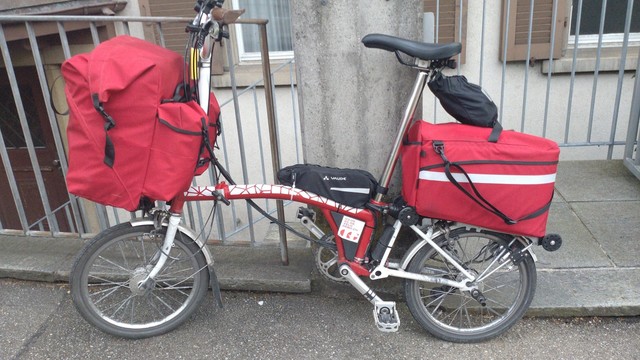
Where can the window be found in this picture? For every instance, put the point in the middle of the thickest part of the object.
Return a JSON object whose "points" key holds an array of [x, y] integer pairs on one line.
{"points": [[278, 29], [614, 22], [515, 23], [518, 16]]}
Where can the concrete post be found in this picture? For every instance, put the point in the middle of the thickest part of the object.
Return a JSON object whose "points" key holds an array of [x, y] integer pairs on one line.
{"points": [[351, 98]]}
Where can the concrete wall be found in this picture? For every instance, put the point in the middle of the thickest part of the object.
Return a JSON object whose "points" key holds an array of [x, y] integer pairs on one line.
{"points": [[351, 98]]}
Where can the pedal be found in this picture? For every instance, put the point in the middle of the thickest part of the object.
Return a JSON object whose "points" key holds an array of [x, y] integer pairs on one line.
{"points": [[386, 316]]}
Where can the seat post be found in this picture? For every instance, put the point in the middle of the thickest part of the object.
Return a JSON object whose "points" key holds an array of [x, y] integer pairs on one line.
{"points": [[407, 118]]}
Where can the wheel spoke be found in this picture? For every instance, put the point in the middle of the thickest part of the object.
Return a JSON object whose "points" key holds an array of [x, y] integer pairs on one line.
{"points": [[123, 255], [452, 314]]}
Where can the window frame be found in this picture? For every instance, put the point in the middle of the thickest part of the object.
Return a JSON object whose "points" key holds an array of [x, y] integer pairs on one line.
{"points": [[253, 57]]}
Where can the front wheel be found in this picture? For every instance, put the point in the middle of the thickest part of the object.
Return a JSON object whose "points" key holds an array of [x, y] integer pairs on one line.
{"points": [[457, 316], [105, 277]]}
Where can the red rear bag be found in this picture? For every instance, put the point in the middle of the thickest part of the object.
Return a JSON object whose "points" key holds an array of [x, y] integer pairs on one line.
{"points": [[505, 186], [152, 150]]}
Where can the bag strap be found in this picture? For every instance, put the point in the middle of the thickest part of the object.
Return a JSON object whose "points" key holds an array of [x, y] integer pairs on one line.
{"points": [[109, 151], [438, 147], [495, 133]]}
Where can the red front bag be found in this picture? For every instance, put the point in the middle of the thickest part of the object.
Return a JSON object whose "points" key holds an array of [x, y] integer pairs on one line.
{"points": [[451, 172], [152, 147]]}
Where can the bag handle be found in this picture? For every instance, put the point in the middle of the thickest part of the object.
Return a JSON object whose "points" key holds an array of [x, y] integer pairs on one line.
{"points": [[495, 133], [438, 147]]}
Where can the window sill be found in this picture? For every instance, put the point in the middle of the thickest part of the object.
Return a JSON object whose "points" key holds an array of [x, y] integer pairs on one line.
{"points": [[586, 61], [248, 74]]}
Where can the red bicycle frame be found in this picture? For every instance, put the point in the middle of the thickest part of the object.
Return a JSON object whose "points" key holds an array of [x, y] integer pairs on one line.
{"points": [[281, 192]]}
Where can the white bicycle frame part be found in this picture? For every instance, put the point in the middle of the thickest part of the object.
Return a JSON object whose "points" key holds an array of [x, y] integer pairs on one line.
{"points": [[172, 228], [383, 270]]}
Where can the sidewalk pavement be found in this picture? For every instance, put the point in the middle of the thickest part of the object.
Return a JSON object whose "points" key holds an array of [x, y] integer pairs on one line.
{"points": [[596, 272]]}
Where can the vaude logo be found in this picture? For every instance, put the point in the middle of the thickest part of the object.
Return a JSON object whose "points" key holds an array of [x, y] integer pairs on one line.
{"points": [[335, 178]]}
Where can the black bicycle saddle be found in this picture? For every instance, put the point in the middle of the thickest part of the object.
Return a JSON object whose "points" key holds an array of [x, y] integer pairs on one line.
{"points": [[424, 51]]}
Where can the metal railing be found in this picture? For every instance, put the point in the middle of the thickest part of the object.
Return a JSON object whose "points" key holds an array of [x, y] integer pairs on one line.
{"points": [[85, 218], [529, 102], [631, 154]]}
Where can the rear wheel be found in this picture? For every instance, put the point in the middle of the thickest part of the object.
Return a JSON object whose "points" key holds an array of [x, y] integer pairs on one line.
{"points": [[105, 276], [454, 315]]}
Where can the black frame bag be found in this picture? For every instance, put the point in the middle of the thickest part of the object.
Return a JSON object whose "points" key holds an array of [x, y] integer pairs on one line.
{"points": [[466, 102], [350, 187]]}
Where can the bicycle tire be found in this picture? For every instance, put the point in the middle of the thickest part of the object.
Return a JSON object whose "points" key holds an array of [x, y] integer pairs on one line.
{"points": [[453, 315], [106, 271]]}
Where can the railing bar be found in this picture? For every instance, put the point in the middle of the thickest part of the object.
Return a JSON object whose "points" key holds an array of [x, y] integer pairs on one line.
{"points": [[66, 50], [554, 18], [125, 25], [484, 9], [596, 70], [275, 117], [219, 213], [437, 21], [504, 59], [623, 60], [526, 66], [94, 33], [69, 219], [199, 212], [22, 216], [192, 223], [53, 120], [161, 34], [573, 72], [259, 129], [243, 158], [634, 118], [295, 112], [227, 166], [259, 218], [80, 224], [101, 211], [255, 84], [116, 216], [92, 18], [597, 143], [437, 38], [61, 207], [35, 164], [460, 35]]}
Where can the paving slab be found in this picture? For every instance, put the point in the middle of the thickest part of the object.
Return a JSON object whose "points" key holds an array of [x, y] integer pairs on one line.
{"points": [[598, 180], [579, 247], [615, 226]]}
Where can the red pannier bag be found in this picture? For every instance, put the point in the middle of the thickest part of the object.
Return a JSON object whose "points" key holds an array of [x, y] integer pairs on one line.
{"points": [[452, 172], [128, 139]]}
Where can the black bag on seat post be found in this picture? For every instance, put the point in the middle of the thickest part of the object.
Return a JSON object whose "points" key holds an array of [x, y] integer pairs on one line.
{"points": [[349, 187], [466, 102]]}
